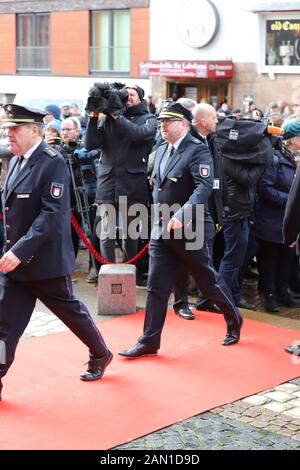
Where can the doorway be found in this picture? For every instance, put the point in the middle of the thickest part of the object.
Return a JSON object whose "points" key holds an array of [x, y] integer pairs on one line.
{"points": [[201, 90]]}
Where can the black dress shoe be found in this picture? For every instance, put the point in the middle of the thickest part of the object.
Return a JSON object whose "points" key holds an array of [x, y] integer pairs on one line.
{"points": [[232, 335], [184, 313], [207, 306], [139, 350], [293, 349], [96, 367], [271, 303], [287, 300], [243, 304]]}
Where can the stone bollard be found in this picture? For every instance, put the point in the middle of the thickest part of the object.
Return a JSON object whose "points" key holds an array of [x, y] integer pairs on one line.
{"points": [[116, 289]]}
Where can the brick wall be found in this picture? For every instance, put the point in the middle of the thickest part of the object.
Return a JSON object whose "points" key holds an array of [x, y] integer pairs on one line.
{"points": [[247, 81], [139, 38], [7, 44], [70, 43]]}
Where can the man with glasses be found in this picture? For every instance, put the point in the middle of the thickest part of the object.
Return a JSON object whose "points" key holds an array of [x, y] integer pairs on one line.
{"points": [[182, 181]]}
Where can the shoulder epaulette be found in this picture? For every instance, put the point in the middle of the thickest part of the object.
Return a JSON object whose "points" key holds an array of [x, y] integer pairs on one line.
{"points": [[51, 152]]}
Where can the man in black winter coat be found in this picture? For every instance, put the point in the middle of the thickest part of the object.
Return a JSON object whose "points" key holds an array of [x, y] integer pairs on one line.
{"points": [[241, 179], [125, 141]]}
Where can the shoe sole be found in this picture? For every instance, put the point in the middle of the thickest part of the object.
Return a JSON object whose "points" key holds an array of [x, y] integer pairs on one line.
{"points": [[137, 357], [229, 344]]}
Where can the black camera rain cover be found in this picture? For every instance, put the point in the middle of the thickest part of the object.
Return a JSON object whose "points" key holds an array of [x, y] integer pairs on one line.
{"points": [[244, 140]]}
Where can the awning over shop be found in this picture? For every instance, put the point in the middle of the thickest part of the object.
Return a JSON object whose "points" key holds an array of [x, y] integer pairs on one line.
{"points": [[203, 69]]}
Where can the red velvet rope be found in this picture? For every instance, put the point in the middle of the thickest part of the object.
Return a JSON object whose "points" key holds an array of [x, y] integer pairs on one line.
{"points": [[95, 253]]}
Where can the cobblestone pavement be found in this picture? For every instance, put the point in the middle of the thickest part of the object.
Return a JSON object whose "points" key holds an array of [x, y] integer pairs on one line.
{"points": [[212, 432], [267, 420]]}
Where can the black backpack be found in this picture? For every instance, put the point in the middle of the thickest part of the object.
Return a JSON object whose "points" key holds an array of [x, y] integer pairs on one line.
{"points": [[246, 140]]}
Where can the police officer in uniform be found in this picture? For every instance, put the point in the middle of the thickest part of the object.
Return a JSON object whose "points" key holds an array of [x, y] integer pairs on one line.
{"points": [[182, 174], [39, 256]]}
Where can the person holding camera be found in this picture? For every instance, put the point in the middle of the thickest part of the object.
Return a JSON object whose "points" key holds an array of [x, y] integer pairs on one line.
{"points": [[121, 126]]}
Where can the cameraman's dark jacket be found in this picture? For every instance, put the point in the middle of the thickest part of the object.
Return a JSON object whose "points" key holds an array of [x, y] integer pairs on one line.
{"points": [[241, 179], [125, 145]]}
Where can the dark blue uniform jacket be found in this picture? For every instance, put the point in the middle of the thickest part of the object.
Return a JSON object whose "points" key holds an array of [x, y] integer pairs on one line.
{"points": [[37, 217], [187, 181]]}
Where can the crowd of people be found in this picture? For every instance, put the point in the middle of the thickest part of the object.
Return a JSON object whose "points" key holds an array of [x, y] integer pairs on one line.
{"points": [[125, 153]]}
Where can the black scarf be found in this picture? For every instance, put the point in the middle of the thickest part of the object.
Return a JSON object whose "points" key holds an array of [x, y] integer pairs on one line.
{"points": [[140, 108]]}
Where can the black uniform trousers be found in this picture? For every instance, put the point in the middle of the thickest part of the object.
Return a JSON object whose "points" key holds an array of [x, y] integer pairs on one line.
{"points": [[165, 257], [180, 289], [17, 302]]}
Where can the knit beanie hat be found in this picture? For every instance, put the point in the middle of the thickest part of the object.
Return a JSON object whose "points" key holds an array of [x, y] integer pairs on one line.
{"points": [[291, 129], [54, 110], [54, 124], [139, 91]]}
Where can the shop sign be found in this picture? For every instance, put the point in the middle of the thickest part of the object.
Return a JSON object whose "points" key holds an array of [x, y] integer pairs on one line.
{"points": [[222, 69]]}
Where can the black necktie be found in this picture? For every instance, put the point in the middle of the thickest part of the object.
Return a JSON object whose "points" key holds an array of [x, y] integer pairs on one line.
{"points": [[166, 159], [15, 172]]}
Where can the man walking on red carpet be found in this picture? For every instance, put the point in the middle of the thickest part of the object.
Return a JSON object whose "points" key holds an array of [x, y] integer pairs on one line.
{"points": [[182, 176], [39, 255]]}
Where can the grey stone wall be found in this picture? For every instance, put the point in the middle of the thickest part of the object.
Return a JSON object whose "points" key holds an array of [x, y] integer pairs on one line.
{"points": [[30, 6]]}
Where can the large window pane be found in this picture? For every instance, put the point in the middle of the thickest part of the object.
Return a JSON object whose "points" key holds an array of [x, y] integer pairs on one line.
{"points": [[110, 41], [101, 41], [33, 40], [121, 30]]}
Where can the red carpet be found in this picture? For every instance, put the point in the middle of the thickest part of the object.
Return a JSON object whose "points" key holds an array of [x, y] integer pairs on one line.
{"points": [[46, 406]]}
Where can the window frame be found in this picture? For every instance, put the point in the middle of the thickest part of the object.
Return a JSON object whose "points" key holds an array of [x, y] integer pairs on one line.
{"points": [[111, 71], [262, 66], [33, 68]]}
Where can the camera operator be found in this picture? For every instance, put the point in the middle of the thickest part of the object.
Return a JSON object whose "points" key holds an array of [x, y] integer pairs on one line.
{"points": [[124, 130]]}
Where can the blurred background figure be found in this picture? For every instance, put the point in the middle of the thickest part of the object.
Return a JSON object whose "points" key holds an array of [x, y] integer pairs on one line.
{"points": [[150, 105]]}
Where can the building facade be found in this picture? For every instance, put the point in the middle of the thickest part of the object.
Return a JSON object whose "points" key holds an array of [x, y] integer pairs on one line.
{"points": [[225, 49], [208, 50], [58, 49]]}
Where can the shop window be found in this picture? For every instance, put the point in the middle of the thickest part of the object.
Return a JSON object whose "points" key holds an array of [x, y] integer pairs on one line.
{"points": [[110, 41], [281, 43], [33, 39]]}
